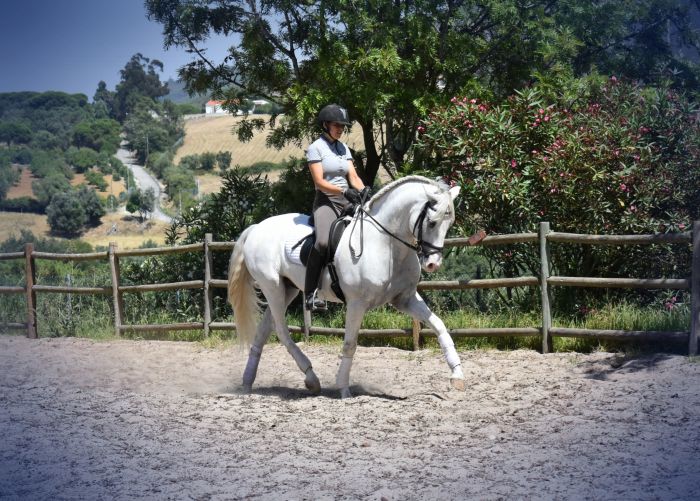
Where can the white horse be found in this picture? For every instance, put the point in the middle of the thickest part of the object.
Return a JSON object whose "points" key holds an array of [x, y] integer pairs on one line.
{"points": [[379, 259]]}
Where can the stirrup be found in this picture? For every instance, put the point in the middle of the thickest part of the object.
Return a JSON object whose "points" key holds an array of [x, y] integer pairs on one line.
{"points": [[313, 303]]}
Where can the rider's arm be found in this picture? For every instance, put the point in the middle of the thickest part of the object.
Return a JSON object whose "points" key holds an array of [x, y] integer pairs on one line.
{"points": [[321, 184], [353, 179]]}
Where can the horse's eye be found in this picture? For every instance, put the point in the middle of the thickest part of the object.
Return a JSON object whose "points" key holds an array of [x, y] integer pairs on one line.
{"points": [[432, 224]]}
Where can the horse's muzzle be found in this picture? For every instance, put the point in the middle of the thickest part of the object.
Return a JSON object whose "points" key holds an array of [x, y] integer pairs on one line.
{"points": [[432, 262]]}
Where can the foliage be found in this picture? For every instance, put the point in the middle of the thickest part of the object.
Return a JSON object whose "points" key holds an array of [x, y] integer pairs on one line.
{"points": [[92, 206], [139, 79], [53, 114], [15, 133], [152, 127], [389, 61], [223, 160], [607, 156], [142, 202], [66, 214], [99, 134], [8, 176], [45, 189], [202, 161], [81, 159]]}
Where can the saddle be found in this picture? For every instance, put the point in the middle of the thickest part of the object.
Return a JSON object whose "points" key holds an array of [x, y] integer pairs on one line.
{"points": [[335, 233]]}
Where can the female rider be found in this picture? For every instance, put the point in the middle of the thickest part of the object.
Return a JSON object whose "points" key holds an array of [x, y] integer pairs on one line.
{"points": [[336, 183]]}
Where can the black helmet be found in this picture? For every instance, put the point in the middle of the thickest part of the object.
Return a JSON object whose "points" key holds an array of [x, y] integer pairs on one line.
{"points": [[333, 113]]}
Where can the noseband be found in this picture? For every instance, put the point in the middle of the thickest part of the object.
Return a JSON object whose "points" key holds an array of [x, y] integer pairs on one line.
{"points": [[422, 248]]}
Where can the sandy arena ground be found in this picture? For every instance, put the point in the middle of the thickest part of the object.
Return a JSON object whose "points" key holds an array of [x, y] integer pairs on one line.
{"points": [[164, 420]]}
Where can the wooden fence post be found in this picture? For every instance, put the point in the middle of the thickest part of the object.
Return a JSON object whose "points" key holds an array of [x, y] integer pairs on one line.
{"points": [[416, 335], [544, 289], [208, 265], [695, 292], [117, 298], [30, 294]]}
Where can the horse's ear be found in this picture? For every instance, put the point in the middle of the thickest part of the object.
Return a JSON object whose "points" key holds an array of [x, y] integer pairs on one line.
{"points": [[454, 191]]}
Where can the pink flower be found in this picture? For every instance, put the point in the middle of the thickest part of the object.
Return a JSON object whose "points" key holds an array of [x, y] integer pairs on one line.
{"points": [[541, 111], [472, 101], [613, 79], [546, 118], [681, 226], [623, 187], [513, 163]]}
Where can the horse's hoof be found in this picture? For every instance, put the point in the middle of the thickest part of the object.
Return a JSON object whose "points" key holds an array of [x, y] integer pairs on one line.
{"points": [[345, 393], [312, 383], [458, 384]]}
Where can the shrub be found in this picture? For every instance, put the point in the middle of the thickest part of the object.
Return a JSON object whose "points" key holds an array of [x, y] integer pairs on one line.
{"points": [[615, 158], [66, 214]]}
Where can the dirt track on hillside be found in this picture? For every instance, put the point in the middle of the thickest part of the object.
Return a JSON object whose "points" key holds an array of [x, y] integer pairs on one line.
{"points": [[164, 420]]}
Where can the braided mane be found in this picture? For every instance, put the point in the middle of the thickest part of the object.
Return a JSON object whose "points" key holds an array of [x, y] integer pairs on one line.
{"points": [[440, 209]]}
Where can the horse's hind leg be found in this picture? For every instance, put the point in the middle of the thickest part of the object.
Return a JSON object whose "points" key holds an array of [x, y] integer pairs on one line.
{"points": [[261, 336], [277, 308]]}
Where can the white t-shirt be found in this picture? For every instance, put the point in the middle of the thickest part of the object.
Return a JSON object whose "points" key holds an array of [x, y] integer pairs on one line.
{"points": [[334, 158]]}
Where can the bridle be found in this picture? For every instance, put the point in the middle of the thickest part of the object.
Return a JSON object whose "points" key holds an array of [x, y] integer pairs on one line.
{"points": [[421, 247]]}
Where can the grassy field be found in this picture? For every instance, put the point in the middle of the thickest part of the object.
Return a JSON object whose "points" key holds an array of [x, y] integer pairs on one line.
{"points": [[216, 133]]}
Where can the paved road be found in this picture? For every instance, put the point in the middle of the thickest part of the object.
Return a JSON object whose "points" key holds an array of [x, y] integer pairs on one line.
{"points": [[144, 180]]}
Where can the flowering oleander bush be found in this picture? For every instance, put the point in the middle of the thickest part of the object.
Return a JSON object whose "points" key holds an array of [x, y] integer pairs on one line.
{"points": [[606, 156]]}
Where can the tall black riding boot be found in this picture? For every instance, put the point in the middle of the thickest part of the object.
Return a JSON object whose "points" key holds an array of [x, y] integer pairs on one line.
{"points": [[313, 273]]}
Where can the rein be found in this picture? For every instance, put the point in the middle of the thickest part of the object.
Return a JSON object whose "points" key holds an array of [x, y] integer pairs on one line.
{"points": [[421, 247]]}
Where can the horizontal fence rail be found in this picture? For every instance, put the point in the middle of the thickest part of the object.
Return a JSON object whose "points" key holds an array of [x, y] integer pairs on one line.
{"points": [[543, 238]]}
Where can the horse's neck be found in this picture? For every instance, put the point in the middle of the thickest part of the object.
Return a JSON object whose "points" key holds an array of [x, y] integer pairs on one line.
{"points": [[394, 209]]}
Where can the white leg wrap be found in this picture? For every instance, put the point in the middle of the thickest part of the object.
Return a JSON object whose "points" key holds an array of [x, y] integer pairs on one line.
{"points": [[448, 350]]}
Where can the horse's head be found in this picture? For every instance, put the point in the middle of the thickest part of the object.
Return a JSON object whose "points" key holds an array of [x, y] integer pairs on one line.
{"points": [[430, 223]]}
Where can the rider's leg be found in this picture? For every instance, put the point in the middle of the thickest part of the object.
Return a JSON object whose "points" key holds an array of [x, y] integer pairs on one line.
{"points": [[313, 273], [324, 215]]}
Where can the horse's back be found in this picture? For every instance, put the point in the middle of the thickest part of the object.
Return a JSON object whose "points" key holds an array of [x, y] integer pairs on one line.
{"points": [[265, 244]]}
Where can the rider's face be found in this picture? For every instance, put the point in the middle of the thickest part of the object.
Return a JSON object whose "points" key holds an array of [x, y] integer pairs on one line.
{"points": [[335, 130]]}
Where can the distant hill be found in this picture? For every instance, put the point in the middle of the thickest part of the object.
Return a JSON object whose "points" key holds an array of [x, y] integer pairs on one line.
{"points": [[178, 94]]}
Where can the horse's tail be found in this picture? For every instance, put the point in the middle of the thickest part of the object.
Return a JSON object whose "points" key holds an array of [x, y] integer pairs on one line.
{"points": [[241, 293]]}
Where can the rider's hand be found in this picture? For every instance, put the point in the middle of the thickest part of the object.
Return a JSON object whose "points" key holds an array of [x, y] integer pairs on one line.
{"points": [[352, 195], [366, 193]]}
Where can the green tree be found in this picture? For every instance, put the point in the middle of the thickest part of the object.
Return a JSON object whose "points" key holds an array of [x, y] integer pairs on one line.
{"points": [[223, 160], [44, 189], [99, 134], [15, 133], [139, 78], [66, 214], [142, 202], [82, 159], [92, 206], [389, 61]]}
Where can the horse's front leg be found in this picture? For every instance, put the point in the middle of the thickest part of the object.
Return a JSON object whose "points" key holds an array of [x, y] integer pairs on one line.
{"points": [[353, 320], [416, 307]]}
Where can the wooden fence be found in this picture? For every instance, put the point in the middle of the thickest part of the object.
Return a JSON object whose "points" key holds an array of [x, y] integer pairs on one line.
{"points": [[544, 281]]}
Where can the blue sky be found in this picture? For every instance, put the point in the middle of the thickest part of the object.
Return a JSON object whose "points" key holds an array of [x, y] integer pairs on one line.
{"points": [[70, 45]]}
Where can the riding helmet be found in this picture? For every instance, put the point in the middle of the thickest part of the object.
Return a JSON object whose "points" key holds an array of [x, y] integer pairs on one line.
{"points": [[333, 113]]}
